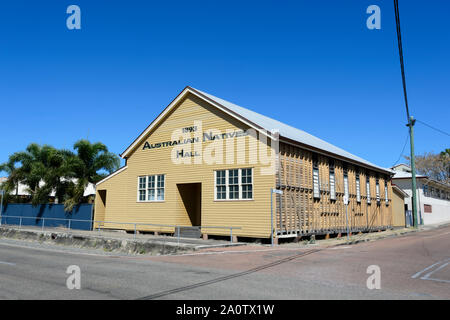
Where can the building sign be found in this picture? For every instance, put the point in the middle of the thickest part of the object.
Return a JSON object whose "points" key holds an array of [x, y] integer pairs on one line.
{"points": [[193, 145], [183, 154], [207, 136]]}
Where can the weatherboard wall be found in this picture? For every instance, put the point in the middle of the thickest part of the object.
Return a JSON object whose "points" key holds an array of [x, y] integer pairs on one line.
{"points": [[296, 211], [299, 212], [122, 204]]}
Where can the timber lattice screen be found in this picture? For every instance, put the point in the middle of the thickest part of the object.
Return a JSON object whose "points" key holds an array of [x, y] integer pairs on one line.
{"points": [[298, 212]]}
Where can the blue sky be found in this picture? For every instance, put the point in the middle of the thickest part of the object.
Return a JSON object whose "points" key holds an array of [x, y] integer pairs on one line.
{"points": [[311, 64]]}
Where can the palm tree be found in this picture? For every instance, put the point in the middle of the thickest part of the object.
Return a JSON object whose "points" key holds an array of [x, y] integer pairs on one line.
{"points": [[46, 170], [11, 185], [91, 163], [42, 169]]}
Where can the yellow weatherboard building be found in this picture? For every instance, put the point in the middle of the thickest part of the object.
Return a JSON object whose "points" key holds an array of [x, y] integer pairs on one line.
{"points": [[207, 162]]}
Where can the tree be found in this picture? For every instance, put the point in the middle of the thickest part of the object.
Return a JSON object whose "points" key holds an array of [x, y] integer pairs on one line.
{"points": [[41, 169], [434, 165], [47, 171], [91, 164], [11, 185], [445, 156]]}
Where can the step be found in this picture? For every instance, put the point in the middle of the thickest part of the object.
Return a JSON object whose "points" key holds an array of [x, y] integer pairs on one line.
{"points": [[190, 232]]}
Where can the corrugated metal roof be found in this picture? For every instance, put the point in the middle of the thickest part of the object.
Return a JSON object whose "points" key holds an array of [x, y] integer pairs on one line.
{"points": [[405, 175], [289, 132]]}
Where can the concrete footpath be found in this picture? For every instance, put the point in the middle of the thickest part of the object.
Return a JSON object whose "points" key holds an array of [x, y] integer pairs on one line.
{"points": [[364, 237], [112, 241], [145, 244]]}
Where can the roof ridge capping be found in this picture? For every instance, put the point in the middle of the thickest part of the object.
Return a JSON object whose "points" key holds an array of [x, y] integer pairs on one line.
{"points": [[264, 124]]}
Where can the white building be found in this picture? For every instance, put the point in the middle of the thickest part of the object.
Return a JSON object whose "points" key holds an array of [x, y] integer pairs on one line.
{"points": [[433, 197], [22, 190]]}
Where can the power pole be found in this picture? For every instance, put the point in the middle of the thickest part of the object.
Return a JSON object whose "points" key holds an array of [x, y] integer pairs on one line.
{"points": [[410, 124], [410, 119]]}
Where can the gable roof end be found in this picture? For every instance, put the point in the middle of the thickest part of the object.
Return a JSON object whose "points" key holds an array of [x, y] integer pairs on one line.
{"points": [[262, 124], [174, 102]]}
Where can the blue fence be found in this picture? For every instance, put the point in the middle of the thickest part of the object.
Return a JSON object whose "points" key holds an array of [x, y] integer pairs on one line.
{"points": [[48, 214]]}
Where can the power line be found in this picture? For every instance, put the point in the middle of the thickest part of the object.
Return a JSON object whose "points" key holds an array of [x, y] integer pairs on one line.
{"points": [[438, 130], [403, 149]]}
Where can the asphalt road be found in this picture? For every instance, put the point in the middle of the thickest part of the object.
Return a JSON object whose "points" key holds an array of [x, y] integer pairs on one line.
{"points": [[414, 266]]}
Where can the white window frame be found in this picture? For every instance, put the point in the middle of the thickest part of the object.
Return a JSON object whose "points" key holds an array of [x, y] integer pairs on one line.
{"points": [[241, 184], [368, 189], [346, 190], [358, 187], [332, 185], [386, 194], [159, 186], [377, 191], [316, 178], [146, 189], [148, 178], [220, 185], [227, 185], [238, 185], [142, 189]]}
